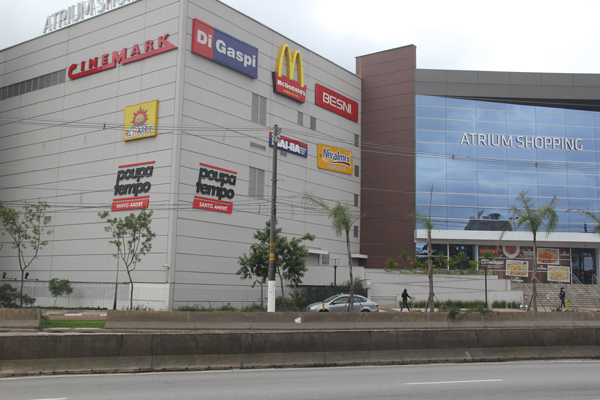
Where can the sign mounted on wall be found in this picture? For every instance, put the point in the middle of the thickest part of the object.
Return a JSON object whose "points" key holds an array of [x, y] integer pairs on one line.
{"points": [[125, 56], [285, 84], [220, 177], [77, 12], [290, 145], [140, 120], [334, 159], [222, 48], [336, 103], [134, 173]]}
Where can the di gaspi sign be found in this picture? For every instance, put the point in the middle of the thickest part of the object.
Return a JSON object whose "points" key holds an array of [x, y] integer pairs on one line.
{"points": [[334, 159], [285, 84], [140, 120]]}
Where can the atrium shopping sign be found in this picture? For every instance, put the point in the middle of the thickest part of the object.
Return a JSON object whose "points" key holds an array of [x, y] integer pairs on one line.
{"points": [[77, 12], [129, 182], [335, 102], [125, 56], [285, 84], [222, 48], [220, 177], [521, 141], [334, 159]]}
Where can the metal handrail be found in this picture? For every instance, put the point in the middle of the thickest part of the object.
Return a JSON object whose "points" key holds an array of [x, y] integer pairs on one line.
{"points": [[575, 296], [595, 280], [588, 289], [548, 290]]}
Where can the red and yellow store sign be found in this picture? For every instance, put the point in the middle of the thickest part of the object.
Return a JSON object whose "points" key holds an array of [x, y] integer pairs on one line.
{"points": [[286, 85], [140, 120], [334, 158]]}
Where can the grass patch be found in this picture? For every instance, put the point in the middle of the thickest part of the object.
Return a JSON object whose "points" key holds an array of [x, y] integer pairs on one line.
{"points": [[72, 323]]}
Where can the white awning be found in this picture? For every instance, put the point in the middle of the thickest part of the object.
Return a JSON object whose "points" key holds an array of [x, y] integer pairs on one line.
{"points": [[317, 251], [363, 256]]}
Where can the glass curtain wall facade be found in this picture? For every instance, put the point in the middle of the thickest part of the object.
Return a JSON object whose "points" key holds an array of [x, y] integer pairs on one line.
{"points": [[474, 157]]}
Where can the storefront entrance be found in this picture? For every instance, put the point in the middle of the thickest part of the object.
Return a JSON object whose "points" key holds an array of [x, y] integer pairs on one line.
{"points": [[584, 264]]}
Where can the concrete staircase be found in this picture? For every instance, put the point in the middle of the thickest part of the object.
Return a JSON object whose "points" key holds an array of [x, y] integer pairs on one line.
{"points": [[580, 297]]}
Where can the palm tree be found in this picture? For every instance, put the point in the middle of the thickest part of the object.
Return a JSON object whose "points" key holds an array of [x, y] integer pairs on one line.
{"points": [[534, 219], [462, 258], [594, 216], [425, 222], [341, 222]]}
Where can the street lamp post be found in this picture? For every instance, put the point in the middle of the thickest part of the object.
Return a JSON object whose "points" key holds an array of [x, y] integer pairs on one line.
{"points": [[335, 262]]}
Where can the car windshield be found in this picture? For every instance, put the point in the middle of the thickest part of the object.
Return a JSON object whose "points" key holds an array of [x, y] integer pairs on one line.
{"points": [[327, 300]]}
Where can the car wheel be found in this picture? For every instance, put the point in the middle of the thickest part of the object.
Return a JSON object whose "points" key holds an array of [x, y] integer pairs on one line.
{"points": [[366, 310], [323, 310]]}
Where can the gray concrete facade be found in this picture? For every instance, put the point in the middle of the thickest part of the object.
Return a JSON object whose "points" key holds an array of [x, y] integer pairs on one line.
{"points": [[64, 144]]}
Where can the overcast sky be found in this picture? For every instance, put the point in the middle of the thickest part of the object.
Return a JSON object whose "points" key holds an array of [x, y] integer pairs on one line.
{"points": [[508, 35]]}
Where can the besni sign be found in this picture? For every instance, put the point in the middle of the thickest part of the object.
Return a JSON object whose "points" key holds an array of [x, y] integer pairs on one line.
{"points": [[285, 84], [334, 159], [222, 48], [133, 174], [220, 177], [336, 103], [290, 145], [140, 120]]}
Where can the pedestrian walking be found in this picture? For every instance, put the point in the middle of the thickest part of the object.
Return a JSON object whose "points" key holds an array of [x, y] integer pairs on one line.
{"points": [[405, 298], [561, 296]]}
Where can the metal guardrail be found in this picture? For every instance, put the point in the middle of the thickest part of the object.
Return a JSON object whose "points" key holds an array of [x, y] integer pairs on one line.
{"points": [[595, 280]]}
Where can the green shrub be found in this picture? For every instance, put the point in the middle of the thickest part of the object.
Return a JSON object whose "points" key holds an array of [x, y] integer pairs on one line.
{"points": [[9, 297], [504, 304]]}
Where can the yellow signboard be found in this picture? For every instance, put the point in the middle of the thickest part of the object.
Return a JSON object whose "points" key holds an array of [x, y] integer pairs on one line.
{"points": [[334, 158], [140, 120]]}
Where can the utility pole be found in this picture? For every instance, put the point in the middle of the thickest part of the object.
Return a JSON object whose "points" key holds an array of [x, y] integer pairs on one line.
{"points": [[273, 236]]}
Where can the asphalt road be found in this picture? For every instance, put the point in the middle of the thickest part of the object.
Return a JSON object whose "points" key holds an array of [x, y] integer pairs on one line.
{"points": [[520, 380]]}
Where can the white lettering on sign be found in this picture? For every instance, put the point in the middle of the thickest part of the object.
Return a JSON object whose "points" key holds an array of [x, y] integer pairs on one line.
{"points": [[77, 12], [521, 141], [337, 103]]}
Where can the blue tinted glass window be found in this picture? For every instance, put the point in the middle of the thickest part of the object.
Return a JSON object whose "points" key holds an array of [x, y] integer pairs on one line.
{"points": [[430, 112], [485, 153], [464, 200], [461, 113], [549, 119], [520, 118], [579, 120], [491, 116], [462, 187], [461, 126], [430, 124], [430, 101]]}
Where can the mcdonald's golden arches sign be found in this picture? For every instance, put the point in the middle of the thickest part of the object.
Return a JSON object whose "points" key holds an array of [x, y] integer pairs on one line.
{"points": [[286, 85]]}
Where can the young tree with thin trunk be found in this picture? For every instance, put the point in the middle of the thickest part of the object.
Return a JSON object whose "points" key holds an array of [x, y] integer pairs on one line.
{"points": [[291, 260], [59, 287], [425, 222], [26, 230], [534, 219], [341, 222], [133, 238]]}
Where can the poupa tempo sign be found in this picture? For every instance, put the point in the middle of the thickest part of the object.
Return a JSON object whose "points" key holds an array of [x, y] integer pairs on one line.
{"points": [[77, 12]]}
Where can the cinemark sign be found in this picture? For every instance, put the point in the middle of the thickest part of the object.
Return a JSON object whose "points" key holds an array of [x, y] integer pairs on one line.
{"points": [[125, 56], [335, 102]]}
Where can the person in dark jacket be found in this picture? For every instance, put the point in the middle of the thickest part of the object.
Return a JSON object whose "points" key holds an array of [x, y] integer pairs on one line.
{"points": [[405, 298], [561, 296]]}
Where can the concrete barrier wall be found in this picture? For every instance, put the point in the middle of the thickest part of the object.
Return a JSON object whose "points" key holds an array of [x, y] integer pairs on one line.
{"points": [[16, 318], [206, 321], [126, 352]]}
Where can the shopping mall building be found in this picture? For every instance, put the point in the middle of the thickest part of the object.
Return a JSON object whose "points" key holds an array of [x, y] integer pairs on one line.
{"points": [[169, 105]]}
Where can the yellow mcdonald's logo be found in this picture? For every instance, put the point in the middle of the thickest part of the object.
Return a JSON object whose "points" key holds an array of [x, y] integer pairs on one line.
{"points": [[285, 84], [292, 58]]}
